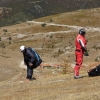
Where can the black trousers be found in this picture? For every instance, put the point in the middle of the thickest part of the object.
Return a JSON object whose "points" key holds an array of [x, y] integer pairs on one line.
{"points": [[30, 70]]}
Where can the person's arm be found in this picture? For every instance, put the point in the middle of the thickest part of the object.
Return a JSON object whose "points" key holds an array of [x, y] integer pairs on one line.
{"points": [[83, 45], [32, 58], [24, 59]]}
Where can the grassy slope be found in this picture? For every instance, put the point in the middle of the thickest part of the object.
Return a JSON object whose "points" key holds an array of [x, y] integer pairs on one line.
{"points": [[51, 84], [23, 10]]}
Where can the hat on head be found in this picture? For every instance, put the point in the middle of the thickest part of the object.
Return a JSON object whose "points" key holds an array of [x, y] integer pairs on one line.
{"points": [[22, 48]]}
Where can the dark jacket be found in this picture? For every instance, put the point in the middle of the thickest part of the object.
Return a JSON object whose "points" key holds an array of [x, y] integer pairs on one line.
{"points": [[29, 56]]}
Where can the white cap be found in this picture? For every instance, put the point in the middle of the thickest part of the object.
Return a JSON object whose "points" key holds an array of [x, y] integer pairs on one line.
{"points": [[22, 48]]}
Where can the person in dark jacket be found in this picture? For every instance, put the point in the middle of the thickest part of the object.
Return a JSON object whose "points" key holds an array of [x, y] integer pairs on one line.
{"points": [[31, 60]]}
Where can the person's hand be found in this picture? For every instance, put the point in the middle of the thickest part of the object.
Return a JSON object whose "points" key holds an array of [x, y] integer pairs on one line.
{"points": [[41, 65], [30, 64], [86, 53]]}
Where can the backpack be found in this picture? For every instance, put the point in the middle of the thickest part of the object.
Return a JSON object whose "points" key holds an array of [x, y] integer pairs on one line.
{"points": [[38, 60], [37, 56], [95, 71]]}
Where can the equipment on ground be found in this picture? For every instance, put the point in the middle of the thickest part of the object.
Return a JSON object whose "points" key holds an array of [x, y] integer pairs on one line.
{"points": [[94, 72]]}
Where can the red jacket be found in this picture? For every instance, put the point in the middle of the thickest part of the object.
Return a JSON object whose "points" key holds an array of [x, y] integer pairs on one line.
{"points": [[80, 43]]}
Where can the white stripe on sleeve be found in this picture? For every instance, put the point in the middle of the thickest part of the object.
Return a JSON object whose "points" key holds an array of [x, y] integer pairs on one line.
{"points": [[81, 42]]}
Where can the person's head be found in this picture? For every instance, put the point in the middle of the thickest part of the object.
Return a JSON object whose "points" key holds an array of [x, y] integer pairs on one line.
{"points": [[22, 48], [82, 32]]}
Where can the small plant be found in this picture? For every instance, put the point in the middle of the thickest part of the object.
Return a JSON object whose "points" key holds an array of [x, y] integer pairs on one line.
{"points": [[2, 45], [4, 30], [9, 42], [65, 66], [51, 36], [97, 59], [4, 33], [51, 20], [43, 25], [10, 38]]}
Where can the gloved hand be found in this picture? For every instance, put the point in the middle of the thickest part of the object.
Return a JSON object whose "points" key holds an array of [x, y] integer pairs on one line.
{"points": [[86, 53], [30, 64]]}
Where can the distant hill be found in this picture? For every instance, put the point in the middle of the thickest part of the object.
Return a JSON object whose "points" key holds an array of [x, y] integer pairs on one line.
{"points": [[16, 11]]}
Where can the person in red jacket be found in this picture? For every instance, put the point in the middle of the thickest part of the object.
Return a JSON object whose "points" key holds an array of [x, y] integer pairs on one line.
{"points": [[80, 43]]}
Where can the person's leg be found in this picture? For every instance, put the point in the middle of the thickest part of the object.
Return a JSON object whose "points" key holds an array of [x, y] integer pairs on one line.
{"points": [[29, 72], [79, 60], [76, 70]]}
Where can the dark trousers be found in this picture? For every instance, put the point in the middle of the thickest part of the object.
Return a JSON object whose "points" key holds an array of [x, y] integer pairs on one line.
{"points": [[30, 70]]}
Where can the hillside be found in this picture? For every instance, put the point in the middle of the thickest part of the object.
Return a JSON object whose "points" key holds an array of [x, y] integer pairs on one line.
{"points": [[53, 38], [12, 12]]}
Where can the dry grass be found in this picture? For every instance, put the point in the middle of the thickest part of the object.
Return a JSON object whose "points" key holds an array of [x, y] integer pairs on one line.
{"points": [[89, 17], [52, 83]]}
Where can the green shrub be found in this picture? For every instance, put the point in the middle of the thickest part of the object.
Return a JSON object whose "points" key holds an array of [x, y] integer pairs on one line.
{"points": [[43, 25], [4, 30]]}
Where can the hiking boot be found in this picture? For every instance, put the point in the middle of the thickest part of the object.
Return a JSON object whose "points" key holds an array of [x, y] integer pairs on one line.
{"points": [[33, 78], [77, 77]]}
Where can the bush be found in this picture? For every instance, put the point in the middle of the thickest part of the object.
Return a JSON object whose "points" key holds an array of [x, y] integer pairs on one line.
{"points": [[4, 30], [43, 25]]}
